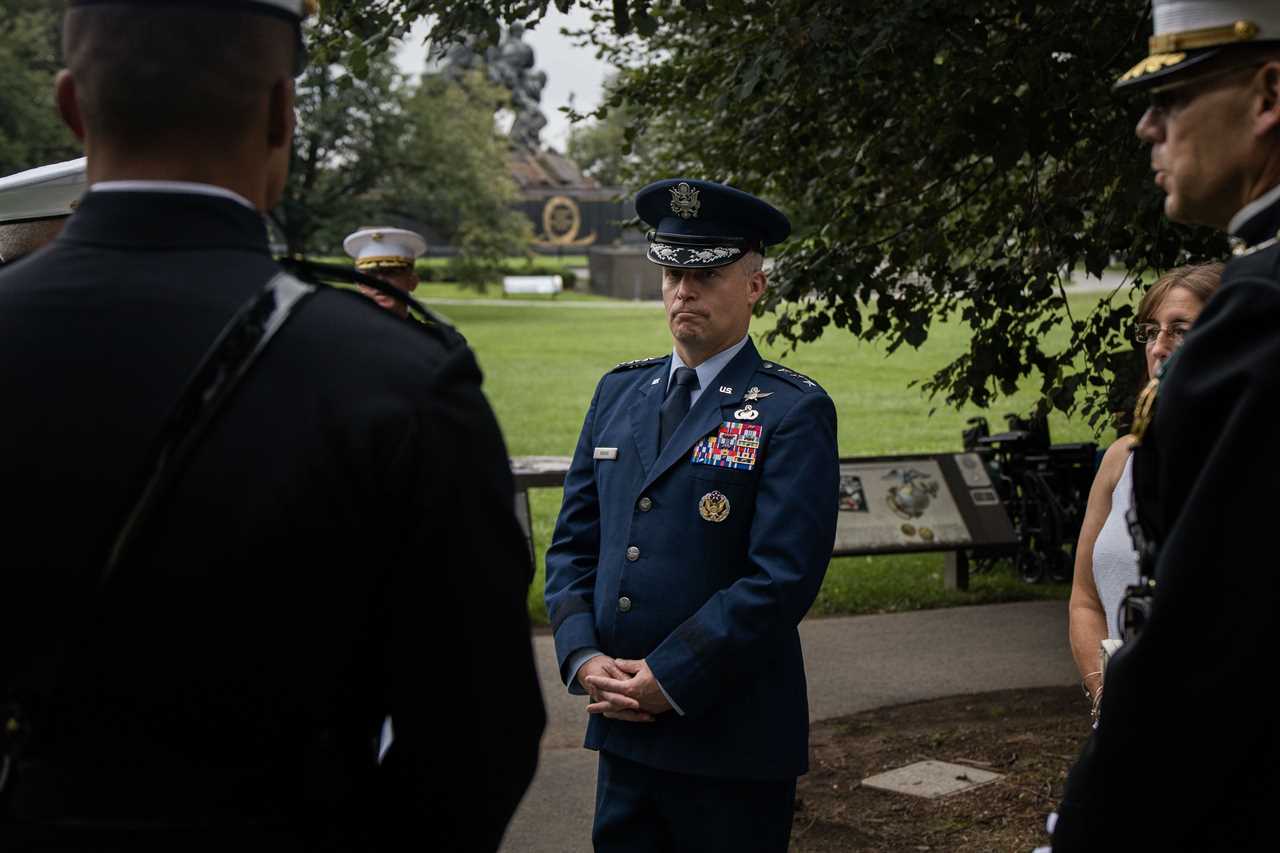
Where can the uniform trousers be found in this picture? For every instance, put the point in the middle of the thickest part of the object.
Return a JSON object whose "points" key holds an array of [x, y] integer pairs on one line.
{"points": [[643, 809]]}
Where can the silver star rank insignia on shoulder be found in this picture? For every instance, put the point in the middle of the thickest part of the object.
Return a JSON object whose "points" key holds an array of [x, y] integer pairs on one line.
{"points": [[684, 201]]}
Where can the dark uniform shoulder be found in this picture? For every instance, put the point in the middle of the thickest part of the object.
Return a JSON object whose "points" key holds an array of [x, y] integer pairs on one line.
{"points": [[639, 362], [337, 278], [1263, 264], [799, 380]]}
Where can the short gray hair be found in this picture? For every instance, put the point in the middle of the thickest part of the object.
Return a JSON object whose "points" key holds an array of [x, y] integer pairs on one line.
{"points": [[752, 262]]}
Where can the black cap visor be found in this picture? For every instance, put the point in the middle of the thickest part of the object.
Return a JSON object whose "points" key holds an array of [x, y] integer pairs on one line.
{"points": [[697, 251], [1157, 69]]}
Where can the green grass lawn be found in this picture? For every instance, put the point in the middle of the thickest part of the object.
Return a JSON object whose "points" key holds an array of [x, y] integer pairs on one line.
{"points": [[541, 366]]}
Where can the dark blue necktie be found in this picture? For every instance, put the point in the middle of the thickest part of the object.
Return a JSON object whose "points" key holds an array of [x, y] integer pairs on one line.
{"points": [[676, 406]]}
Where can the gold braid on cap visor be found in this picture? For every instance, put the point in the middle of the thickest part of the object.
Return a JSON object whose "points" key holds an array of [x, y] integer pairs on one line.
{"points": [[383, 262], [1169, 49]]}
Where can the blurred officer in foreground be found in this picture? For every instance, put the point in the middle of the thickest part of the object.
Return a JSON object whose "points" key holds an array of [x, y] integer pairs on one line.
{"points": [[388, 254], [35, 204], [699, 514], [199, 646], [1187, 752]]}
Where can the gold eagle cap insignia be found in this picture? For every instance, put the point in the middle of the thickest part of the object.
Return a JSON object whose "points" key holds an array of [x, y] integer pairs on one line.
{"points": [[684, 201]]}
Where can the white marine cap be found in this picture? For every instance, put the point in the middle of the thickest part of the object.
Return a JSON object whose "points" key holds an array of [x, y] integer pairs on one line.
{"points": [[380, 248], [1190, 32], [45, 192]]}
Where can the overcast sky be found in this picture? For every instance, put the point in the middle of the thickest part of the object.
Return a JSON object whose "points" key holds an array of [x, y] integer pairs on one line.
{"points": [[571, 71]]}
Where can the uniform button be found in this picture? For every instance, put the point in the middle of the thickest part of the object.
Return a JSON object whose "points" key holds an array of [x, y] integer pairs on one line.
{"points": [[624, 604], [646, 504], [633, 553]]}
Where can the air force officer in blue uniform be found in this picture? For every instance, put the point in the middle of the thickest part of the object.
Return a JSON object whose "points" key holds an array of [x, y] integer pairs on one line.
{"points": [[698, 520]]}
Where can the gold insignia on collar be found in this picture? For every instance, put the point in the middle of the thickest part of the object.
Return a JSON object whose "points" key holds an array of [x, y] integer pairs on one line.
{"points": [[684, 201], [1241, 248], [1143, 412]]}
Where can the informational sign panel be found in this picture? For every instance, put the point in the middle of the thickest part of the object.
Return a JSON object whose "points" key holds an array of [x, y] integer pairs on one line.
{"points": [[887, 504], [931, 502]]}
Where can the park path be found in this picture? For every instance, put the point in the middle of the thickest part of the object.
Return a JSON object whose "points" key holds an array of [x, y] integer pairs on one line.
{"points": [[854, 663]]}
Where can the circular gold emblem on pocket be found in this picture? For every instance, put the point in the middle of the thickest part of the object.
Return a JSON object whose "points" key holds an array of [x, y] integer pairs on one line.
{"points": [[713, 507]]}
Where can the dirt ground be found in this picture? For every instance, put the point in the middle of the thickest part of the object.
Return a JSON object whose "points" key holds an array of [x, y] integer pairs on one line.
{"points": [[1030, 736]]}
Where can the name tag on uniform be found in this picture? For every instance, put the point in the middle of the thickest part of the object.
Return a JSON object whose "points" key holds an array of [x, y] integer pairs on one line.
{"points": [[605, 453], [734, 445]]}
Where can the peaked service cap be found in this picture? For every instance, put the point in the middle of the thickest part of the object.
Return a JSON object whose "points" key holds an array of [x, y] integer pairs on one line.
{"points": [[1188, 33], [705, 224], [384, 248], [45, 192]]}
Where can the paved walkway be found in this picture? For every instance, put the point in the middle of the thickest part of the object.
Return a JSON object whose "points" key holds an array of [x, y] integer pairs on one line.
{"points": [[853, 663]]}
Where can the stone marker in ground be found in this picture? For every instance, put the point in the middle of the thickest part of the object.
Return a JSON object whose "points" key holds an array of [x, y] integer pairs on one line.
{"points": [[931, 779]]}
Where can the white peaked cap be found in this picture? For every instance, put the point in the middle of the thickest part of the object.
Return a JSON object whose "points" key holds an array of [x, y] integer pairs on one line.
{"points": [[42, 193], [1188, 33], [384, 247]]}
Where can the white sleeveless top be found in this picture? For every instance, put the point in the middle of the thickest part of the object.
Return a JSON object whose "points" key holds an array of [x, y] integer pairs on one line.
{"points": [[1115, 562]]}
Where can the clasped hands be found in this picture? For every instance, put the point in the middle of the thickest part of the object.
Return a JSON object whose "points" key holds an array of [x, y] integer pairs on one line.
{"points": [[622, 689]]}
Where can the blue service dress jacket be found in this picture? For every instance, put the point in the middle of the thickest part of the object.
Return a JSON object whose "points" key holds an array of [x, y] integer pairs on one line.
{"points": [[700, 558]]}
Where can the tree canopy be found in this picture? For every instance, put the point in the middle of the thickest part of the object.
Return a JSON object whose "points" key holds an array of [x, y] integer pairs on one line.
{"points": [[426, 152], [345, 152], [31, 133], [601, 147], [941, 159]]}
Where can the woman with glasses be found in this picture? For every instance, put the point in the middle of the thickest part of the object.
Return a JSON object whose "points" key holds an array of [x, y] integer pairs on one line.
{"points": [[1106, 562]]}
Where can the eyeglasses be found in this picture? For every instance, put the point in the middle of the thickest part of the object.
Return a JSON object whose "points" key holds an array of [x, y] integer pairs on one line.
{"points": [[1146, 333]]}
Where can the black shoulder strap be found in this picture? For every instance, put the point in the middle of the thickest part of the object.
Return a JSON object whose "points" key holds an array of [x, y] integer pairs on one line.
{"points": [[329, 274], [220, 371]]}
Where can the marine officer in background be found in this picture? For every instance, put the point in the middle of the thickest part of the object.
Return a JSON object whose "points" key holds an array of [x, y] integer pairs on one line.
{"points": [[1187, 752], [337, 545], [389, 254], [35, 204], [698, 519]]}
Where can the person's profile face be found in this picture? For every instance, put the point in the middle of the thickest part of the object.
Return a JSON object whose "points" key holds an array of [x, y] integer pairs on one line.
{"points": [[405, 278], [402, 278], [1200, 145]]}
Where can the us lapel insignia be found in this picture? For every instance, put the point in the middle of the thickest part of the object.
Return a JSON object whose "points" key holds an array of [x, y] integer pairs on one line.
{"points": [[756, 394], [713, 507], [747, 413], [725, 389], [684, 201], [733, 446]]}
